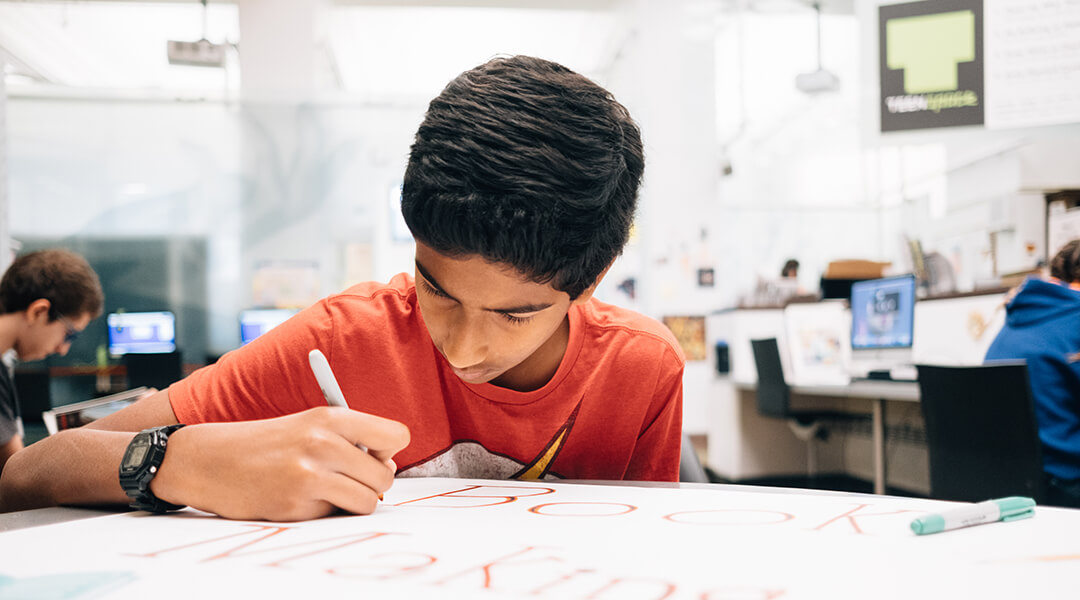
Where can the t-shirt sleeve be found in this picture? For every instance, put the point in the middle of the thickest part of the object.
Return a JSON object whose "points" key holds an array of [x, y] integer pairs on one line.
{"points": [[268, 377], [656, 456]]}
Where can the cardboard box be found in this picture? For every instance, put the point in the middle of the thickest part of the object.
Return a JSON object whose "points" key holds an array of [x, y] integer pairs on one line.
{"points": [[855, 269]]}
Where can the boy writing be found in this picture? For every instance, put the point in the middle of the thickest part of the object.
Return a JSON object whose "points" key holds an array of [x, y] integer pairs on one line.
{"points": [[493, 362]]}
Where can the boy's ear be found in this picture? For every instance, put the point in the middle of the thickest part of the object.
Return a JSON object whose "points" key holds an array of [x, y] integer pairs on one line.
{"points": [[585, 295], [38, 309]]}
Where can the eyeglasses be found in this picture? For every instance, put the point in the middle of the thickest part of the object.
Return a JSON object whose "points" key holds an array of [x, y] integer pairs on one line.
{"points": [[72, 333]]}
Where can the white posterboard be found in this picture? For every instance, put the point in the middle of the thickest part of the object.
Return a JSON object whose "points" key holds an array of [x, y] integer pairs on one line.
{"points": [[455, 538]]}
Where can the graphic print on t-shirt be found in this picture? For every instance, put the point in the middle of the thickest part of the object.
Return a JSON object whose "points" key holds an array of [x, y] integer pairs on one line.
{"points": [[470, 459]]}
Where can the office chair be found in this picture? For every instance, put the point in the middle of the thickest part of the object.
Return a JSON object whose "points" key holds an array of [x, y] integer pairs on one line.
{"points": [[153, 370], [981, 431], [690, 469], [774, 400], [32, 388]]}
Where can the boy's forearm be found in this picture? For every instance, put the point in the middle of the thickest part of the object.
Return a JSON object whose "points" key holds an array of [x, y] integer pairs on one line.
{"points": [[9, 449], [79, 466], [287, 468]]}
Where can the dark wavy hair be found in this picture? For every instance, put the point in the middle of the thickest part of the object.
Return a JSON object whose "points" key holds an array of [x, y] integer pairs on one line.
{"points": [[526, 163], [1066, 263], [62, 277]]}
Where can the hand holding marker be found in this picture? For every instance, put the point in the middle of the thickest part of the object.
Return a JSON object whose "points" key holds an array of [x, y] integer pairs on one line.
{"points": [[329, 385]]}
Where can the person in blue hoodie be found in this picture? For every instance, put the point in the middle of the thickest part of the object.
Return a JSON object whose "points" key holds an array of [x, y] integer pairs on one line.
{"points": [[1042, 326]]}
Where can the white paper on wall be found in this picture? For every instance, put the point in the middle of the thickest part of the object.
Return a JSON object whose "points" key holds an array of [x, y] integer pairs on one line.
{"points": [[1032, 63]]}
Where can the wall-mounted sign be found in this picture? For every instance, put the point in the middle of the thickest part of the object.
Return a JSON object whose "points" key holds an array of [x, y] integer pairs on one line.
{"points": [[931, 64]]}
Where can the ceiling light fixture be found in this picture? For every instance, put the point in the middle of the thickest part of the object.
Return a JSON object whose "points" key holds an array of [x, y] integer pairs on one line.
{"points": [[821, 80], [202, 53]]}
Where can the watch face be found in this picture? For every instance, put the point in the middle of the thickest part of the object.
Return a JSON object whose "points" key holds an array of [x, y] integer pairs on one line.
{"points": [[136, 453]]}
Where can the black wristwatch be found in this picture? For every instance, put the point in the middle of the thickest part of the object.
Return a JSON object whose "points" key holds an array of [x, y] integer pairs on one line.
{"points": [[140, 463]]}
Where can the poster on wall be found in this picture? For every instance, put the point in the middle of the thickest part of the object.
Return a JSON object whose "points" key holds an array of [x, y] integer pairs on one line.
{"points": [[690, 332], [706, 278], [285, 283], [931, 64], [1032, 63], [1062, 226], [817, 334], [359, 261]]}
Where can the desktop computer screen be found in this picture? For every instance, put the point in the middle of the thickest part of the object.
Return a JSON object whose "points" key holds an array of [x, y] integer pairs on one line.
{"points": [[141, 333], [883, 313], [257, 321]]}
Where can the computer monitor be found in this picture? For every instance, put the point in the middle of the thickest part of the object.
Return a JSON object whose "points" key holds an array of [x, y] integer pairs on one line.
{"points": [[882, 320], [141, 333], [257, 321], [833, 288]]}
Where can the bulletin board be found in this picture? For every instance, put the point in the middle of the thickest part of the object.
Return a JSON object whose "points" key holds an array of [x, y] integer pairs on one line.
{"points": [[459, 538], [690, 332]]}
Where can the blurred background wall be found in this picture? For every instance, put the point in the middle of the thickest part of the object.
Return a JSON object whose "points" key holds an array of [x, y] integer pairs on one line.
{"points": [[269, 175]]}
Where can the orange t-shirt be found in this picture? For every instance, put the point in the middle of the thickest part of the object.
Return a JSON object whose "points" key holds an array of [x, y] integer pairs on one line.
{"points": [[613, 409]]}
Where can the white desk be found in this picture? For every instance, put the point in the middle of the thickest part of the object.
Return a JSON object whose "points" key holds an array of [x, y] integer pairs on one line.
{"points": [[47, 516], [954, 331], [877, 392], [452, 538]]}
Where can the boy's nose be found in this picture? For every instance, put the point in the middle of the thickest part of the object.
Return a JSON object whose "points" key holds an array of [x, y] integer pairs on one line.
{"points": [[465, 344]]}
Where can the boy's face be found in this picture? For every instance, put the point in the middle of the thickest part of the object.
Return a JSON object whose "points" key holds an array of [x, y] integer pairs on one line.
{"points": [[44, 338], [490, 323]]}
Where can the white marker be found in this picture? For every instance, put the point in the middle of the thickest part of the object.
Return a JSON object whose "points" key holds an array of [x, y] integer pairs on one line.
{"points": [[328, 383], [325, 376]]}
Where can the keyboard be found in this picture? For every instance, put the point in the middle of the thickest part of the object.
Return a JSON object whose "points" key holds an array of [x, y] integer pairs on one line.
{"points": [[894, 373]]}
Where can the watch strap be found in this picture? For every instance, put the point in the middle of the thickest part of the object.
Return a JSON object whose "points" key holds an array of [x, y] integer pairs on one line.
{"points": [[136, 484]]}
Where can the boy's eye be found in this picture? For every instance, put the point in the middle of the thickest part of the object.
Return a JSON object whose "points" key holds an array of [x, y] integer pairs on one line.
{"points": [[434, 291], [515, 320]]}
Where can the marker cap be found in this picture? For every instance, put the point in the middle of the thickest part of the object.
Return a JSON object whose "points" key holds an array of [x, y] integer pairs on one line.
{"points": [[1015, 507]]}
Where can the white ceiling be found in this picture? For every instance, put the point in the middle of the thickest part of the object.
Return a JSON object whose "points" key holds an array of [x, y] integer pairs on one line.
{"points": [[109, 44], [375, 49], [416, 50]]}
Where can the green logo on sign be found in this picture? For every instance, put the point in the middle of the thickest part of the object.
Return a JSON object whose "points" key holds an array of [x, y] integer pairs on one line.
{"points": [[929, 47]]}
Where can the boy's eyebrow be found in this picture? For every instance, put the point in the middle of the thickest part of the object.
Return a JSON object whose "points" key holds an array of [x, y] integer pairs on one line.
{"points": [[431, 280], [524, 308]]}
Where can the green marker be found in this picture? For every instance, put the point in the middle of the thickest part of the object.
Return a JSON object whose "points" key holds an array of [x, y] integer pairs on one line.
{"points": [[1012, 508]]}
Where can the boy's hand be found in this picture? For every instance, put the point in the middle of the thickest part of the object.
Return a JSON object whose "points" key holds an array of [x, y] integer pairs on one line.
{"points": [[290, 468]]}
